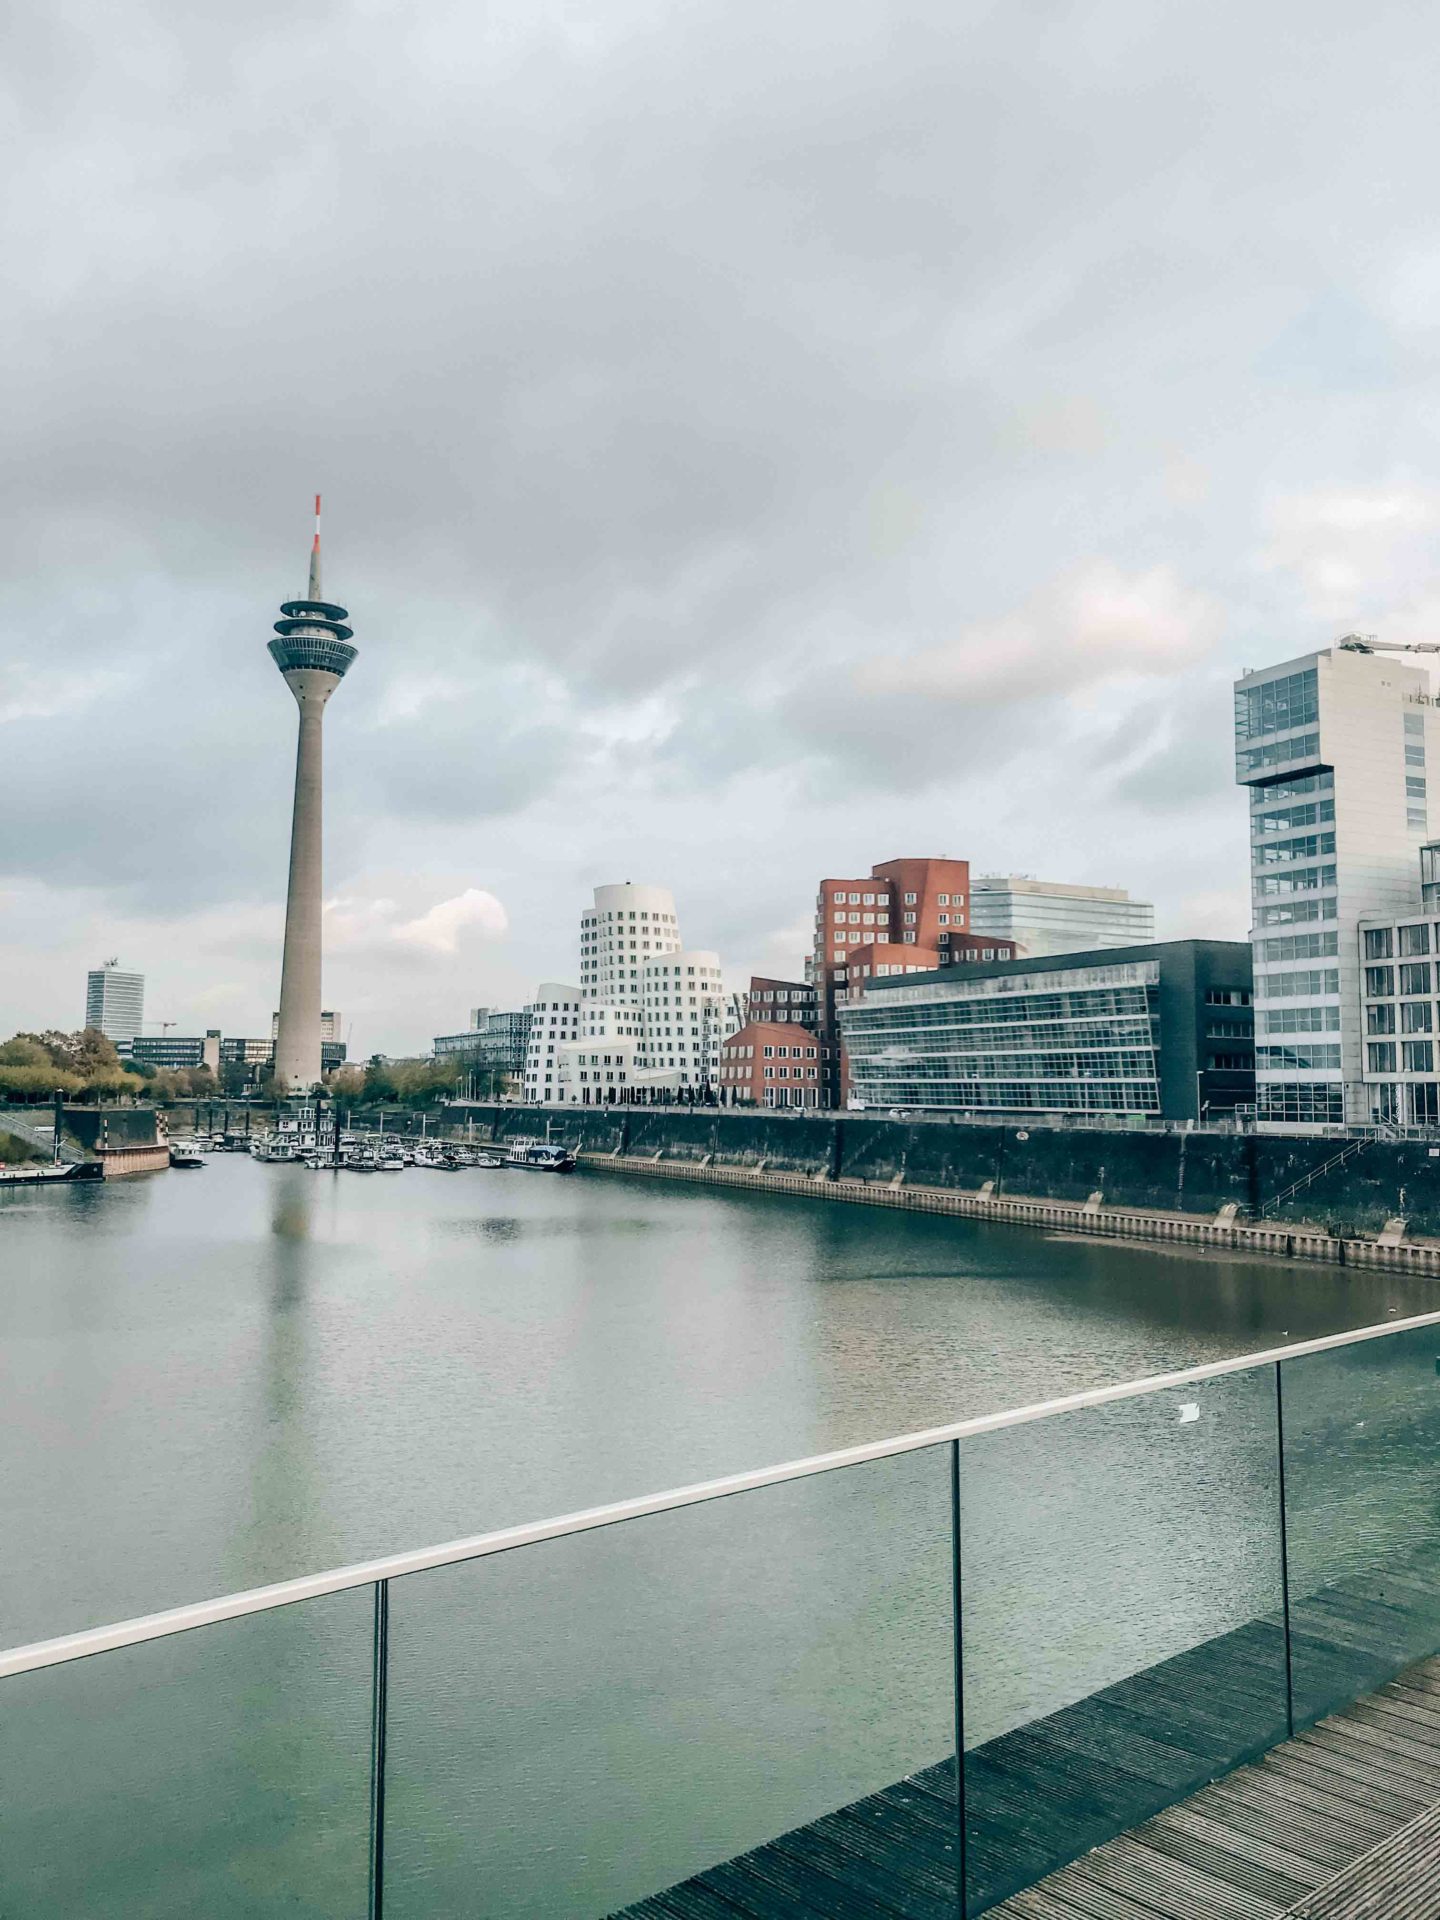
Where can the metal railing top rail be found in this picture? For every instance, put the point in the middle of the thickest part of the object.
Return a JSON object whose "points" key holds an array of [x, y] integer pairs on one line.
{"points": [[39, 1654]]}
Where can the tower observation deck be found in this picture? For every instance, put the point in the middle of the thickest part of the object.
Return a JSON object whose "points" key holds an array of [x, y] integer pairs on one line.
{"points": [[312, 650]]}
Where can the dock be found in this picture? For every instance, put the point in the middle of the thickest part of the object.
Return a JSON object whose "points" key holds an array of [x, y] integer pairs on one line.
{"points": [[1128, 1804]]}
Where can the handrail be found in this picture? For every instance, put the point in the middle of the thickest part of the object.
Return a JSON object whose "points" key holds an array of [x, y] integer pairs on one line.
{"points": [[39, 1654]]}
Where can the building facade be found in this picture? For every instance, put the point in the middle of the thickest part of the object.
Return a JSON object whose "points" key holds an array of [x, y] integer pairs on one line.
{"points": [[1054, 916], [1400, 1006], [920, 903], [781, 1001], [115, 1003], [179, 1050], [554, 1022], [770, 1064], [1335, 750], [331, 1026], [493, 1039], [1156, 1032], [647, 1019]]}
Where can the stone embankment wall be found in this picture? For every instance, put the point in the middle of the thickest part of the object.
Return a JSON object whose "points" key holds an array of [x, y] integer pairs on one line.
{"points": [[1161, 1185]]}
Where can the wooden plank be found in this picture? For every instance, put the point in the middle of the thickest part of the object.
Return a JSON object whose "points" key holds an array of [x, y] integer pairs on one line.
{"points": [[1397, 1880]]}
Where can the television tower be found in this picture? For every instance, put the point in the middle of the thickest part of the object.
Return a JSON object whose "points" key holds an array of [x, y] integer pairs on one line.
{"points": [[313, 653]]}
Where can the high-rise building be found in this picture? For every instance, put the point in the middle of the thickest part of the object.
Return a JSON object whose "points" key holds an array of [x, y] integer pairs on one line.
{"points": [[554, 1021], [115, 1003], [626, 926], [1335, 749], [313, 653], [1056, 916], [903, 903]]}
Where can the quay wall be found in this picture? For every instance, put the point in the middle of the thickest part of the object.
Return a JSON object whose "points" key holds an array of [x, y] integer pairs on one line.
{"points": [[1195, 1174]]}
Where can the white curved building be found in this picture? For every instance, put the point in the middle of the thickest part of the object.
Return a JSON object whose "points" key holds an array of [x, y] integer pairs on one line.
{"points": [[650, 1015]]}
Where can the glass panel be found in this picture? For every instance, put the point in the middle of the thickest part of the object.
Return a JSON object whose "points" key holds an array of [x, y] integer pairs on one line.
{"points": [[1362, 1498], [1121, 1618], [224, 1772], [580, 1724]]}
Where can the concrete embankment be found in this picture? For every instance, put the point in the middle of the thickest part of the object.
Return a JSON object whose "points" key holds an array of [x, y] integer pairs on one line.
{"points": [[1298, 1197]]}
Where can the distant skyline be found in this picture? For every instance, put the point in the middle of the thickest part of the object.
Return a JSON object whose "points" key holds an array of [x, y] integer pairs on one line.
{"points": [[755, 445]]}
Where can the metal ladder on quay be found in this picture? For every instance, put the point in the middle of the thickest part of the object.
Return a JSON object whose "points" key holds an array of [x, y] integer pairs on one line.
{"points": [[1277, 1200]]}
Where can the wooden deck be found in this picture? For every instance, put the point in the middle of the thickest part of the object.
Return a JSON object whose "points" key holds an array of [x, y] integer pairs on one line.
{"points": [[1173, 1795]]}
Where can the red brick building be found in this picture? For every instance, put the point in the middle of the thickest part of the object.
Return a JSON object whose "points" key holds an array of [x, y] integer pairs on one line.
{"points": [[767, 1064], [783, 1001]]}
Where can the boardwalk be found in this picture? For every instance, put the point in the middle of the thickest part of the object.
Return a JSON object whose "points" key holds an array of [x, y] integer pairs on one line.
{"points": [[1173, 1795]]}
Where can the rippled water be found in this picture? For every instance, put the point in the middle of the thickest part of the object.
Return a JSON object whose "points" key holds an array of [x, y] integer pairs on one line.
{"points": [[219, 1378], [216, 1379]]}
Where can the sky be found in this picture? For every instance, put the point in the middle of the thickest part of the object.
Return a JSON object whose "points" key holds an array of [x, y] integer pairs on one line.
{"points": [[756, 442]]}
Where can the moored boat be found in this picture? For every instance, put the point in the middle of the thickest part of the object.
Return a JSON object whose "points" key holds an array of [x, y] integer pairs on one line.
{"points": [[538, 1156]]}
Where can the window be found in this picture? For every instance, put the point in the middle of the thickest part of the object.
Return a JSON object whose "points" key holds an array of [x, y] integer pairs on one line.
{"points": [[1380, 1056], [1300, 946], [1414, 787], [909, 919], [1292, 700], [1295, 986], [1414, 940], [1417, 1056], [1415, 725], [1299, 1058], [1297, 880], [1295, 912], [942, 899], [1416, 1016], [1305, 1020], [1415, 978], [1227, 997], [1380, 1019], [1255, 760], [1379, 983], [1379, 944], [910, 899], [1414, 756]]}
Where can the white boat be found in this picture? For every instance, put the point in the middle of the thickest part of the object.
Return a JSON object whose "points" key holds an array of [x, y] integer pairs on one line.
{"points": [[539, 1157], [183, 1154]]}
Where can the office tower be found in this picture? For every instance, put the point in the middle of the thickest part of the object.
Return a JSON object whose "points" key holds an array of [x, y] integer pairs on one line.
{"points": [[115, 1003], [1335, 749]]}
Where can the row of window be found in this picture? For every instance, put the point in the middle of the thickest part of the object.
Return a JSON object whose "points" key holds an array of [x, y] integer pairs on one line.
{"points": [[1415, 976], [1416, 1016], [1298, 880], [1304, 846], [1294, 913], [1298, 946], [1321, 1058], [1284, 819], [1380, 942], [1416, 1056], [1275, 753], [1275, 792], [1304, 984], [1300, 1020]]}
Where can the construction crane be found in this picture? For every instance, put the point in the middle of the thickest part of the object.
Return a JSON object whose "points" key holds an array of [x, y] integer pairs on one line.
{"points": [[1370, 643]]}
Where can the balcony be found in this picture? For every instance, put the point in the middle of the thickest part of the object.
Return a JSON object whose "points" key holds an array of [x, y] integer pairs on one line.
{"points": [[747, 1696]]}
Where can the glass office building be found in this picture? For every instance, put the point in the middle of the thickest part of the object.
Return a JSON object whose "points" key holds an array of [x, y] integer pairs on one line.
{"points": [[1334, 749], [115, 1003], [1151, 1032]]}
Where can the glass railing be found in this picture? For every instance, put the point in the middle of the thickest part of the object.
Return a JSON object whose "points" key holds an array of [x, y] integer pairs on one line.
{"points": [[749, 1695]]}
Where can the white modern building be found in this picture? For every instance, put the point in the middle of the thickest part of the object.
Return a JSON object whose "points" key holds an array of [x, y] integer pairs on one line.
{"points": [[554, 1023], [115, 1003], [1335, 748], [1054, 916], [648, 1016]]}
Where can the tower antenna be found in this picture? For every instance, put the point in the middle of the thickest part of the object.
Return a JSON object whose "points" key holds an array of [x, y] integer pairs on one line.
{"points": [[313, 591]]}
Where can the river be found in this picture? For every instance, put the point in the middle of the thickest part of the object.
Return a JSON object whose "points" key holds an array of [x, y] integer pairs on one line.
{"points": [[217, 1379]]}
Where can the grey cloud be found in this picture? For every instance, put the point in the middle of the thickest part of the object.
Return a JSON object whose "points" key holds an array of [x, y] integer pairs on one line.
{"points": [[697, 351]]}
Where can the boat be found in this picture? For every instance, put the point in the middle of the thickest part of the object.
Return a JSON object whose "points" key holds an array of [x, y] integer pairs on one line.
{"points": [[483, 1159], [539, 1156], [390, 1163], [183, 1154]]}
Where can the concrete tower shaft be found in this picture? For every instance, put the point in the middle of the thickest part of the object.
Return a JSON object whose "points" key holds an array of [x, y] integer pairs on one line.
{"points": [[313, 654]]}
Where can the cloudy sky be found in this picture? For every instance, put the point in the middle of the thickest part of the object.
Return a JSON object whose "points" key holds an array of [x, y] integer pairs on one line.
{"points": [[756, 441]]}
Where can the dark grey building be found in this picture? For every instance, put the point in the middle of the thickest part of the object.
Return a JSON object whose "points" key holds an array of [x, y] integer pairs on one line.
{"points": [[1162, 1031]]}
